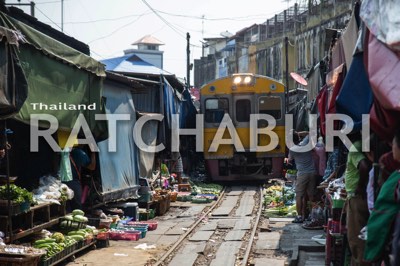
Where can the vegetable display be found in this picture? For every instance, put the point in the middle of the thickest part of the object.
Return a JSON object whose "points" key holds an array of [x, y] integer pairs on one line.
{"points": [[17, 194], [279, 200]]}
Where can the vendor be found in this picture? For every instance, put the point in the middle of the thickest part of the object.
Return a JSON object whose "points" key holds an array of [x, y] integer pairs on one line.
{"points": [[356, 179], [177, 166], [306, 179], [78, 159]]}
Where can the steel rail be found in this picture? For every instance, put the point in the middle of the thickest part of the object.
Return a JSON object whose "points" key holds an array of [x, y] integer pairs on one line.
{"points": [[172, 249], [253, 233]]}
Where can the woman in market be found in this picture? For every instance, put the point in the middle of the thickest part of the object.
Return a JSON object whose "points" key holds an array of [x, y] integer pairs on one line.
{"points": [[386, 210], [79, 159]]}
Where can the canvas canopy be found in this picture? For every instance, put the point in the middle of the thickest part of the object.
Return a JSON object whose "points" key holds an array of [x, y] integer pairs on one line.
{"points": [[119, 166], [59, 78]]}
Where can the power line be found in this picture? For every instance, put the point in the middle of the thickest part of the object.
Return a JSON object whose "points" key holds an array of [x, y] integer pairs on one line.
{"points": [[241, 18], [108, 35], [48, 18], [105, 19], [182, 34]]}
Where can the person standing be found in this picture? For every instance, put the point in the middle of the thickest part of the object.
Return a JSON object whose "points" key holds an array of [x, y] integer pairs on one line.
{"points": [[356, 179], [78, 159], [306, 179], [382, 221], [177, 166]]}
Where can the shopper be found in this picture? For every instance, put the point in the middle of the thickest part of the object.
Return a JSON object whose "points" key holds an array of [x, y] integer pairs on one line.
{"points": [[306, 180], [356, 179]]}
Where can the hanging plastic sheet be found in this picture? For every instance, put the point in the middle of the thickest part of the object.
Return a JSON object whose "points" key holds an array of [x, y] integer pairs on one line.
{"points": [[13, 88], [321, 101], [383, 20], [383, 72], [119, 169], [383, 122], [149, 135], [355, 86]]}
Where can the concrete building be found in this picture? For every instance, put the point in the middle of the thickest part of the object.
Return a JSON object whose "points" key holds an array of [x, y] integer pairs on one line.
{"points": [[148, 49], [260, 48]]}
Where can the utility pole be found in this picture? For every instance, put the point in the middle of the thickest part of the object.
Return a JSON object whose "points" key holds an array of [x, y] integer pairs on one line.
{"points": [[202, 35], [188, 60], [287, 72]]}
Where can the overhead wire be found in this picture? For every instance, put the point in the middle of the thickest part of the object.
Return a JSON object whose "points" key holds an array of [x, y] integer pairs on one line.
{"points": [[105, 19], [180, 33], [241, 18], [118, 29], [56, 24]]}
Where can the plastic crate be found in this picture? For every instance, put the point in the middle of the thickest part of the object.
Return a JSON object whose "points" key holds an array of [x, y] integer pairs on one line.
{"points": [[94, 221], [67, 224], [102, 243], [102, 236], [131, 235], [151, 225], [143, 216]]}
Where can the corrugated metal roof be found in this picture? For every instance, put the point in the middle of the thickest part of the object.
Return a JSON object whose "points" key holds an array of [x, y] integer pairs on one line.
{"points": [[148, 39], [132, 63]]}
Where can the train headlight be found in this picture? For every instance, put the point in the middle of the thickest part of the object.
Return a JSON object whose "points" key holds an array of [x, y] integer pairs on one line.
{"points": [[237, 80], [246, 79]]}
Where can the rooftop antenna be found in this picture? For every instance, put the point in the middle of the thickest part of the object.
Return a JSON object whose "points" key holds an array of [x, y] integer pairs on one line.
{"points": [[62, 15]]}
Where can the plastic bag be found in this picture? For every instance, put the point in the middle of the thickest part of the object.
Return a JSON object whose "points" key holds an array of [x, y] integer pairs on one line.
{"points": [[65, 166]]}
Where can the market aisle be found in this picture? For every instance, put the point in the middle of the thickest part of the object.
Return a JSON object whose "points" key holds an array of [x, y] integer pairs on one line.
{"points": [[170, 228]]}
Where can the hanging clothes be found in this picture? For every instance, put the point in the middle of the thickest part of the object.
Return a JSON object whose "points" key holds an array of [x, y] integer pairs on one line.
{"points": [[322, 103], [335, 78], [349, 38]]}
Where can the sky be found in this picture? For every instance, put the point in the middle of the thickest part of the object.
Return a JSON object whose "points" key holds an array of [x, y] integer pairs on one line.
{"points": [[109, 27]]}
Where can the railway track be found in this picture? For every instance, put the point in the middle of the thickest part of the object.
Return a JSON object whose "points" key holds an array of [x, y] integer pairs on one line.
{"points": [[224, 234]]}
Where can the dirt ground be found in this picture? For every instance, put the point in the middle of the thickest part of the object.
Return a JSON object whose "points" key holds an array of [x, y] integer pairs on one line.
{"points": [[118, 253]]}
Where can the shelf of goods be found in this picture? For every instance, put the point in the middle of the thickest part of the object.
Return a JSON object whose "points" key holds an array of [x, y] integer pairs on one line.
{"points": [[17, 255], [32, 220], [67, 252]]}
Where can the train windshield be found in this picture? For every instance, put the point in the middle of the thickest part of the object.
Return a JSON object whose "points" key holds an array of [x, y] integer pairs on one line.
{"points": [[243, 110], [270, 105], [215, 110]]}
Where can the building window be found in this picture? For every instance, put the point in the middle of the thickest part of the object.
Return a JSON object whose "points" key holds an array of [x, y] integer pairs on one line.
{"points": [[215, 110], [243, 110]]}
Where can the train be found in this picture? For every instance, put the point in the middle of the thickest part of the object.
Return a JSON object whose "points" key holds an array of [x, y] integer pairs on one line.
{"points": [[229, 102]]}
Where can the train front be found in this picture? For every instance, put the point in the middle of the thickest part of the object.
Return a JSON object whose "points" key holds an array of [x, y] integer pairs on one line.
{"points": [[244, 127]]}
